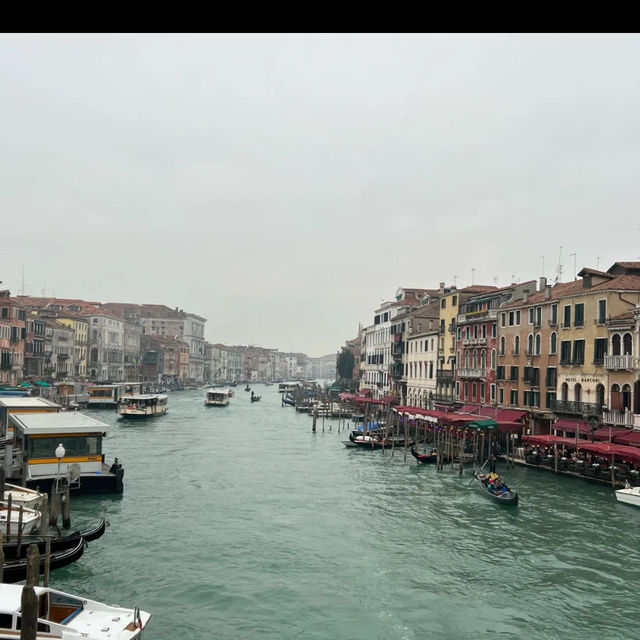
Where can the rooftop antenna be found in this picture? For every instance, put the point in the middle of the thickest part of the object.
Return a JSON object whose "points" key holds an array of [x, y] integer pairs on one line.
{"points": [[598, 258], [543, 266], [574, 265], [473, 275], [22, 293], [455, 280], [559, 270]]}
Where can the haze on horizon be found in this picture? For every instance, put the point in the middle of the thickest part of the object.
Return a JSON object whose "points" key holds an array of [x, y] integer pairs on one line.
{"points": [[283, 185]]}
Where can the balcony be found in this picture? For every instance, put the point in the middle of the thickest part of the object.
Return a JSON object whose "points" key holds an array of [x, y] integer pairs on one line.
{"points": [[447, 398], [452, 327], [627, 363], [579, 408], [623, 418], [470, 373], [444, 376]]}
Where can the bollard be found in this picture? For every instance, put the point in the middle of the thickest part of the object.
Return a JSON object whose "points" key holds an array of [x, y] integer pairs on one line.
{"points": [[29, 613], [47, 562], [53, 508], [33, 565], [44, 514], [65, 504], [1, 557]]}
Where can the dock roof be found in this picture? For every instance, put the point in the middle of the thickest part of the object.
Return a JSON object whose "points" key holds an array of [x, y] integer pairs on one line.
{"points": [[15, 402], [54, 423]]}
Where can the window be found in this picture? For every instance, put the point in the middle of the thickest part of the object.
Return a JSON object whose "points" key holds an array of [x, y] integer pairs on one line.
{"points": [[537, 345], [502, 347], [493, 358], [602, 312], [454, 301], [516, 345], [518, 317], [442, 325], [565, 352], [494, 330], [503, 320], [493, 393], [5, 312], [511, 318], [567, 316], [578, 352], [513, 399], [513, 374], [552, 377], [530, 344], [525, 399], [550, 398], [615, 344], [599, 350], [501, 395], [554, 315], [500, 372], [627, 348], [443, 303], [578, 318], [553, 343], [531, 314], [482, 391], [466, 391], [474, 389]]}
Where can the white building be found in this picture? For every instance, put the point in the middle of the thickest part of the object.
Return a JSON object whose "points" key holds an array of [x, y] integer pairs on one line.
{"points": [[106, 347], [422, 363]]}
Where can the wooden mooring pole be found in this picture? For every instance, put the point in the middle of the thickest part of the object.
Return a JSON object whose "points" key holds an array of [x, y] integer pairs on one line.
{"points": [[28, 613]]}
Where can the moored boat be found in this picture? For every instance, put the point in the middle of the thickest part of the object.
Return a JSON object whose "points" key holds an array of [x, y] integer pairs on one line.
{"points": [[16, 570], [629, 495], [143, 405], [10, 519], [425, 458], [68, 617], [61, 543], [22, 496], [493, 487]]}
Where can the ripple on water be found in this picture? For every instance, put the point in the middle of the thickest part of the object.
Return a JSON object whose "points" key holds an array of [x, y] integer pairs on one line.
{"points": [[241, 523]]}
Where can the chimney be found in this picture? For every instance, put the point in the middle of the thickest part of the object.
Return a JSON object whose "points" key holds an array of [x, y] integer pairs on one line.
{"points": [[543, 283], [441, 288], [547, 292], [525, 296]]}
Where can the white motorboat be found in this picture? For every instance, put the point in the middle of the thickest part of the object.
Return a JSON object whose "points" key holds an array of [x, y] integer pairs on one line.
{"points": [[143, 405], [30, 519], [216, 398], [22, 496], [68, 617], [629, 495]]}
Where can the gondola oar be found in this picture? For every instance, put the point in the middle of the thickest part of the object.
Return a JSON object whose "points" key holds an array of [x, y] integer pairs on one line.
{"points": [[474, 472]]}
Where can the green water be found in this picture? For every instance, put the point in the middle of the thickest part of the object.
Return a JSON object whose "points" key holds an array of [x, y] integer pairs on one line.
{"points": [[239, 523]]}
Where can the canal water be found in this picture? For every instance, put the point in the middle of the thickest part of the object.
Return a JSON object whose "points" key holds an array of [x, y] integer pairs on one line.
{"points": [[239, 522]]}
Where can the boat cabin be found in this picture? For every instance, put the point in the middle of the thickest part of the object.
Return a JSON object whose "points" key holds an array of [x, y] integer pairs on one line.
{"points": [[143, 405], [285, 387], [108, 395], [216, 398], [36, 437]]}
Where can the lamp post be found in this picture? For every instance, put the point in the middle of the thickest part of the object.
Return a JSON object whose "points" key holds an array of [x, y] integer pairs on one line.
{"points": [[60, 452]]}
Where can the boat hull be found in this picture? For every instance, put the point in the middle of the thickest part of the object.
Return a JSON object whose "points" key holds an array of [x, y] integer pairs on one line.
{"points": [[509, 498], [17, 571], [629, 496]]}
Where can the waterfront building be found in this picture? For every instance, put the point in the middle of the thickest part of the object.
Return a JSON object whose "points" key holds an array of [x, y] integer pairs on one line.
{"points": [[450, 300], [477, 342], [160, 359], [12, 339], [587, 331], [80, 328], [421, 357], [106, 338], [235, 363], [34, 345], [59, 346]]}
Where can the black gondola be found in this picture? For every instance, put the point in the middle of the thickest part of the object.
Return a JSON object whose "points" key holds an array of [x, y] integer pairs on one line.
{"points": [[61, 543], [247, 388], [425, 458], [16, 571], [255, 398], [508, 498]]}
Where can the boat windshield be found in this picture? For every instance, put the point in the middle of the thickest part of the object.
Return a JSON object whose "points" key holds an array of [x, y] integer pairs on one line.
{"points": [[59, 607]]}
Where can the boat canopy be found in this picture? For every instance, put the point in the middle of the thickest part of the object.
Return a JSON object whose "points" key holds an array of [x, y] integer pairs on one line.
{"points": [[56, 423]]}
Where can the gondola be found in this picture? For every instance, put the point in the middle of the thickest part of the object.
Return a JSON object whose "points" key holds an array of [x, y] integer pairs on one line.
{"points": [[425, 458], [255, 398], [16, 571], [247, 388], [508, 498], [61, 543]]}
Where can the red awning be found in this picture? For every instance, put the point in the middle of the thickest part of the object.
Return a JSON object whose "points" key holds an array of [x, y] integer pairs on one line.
{"points": [[506, 425], [609, 433], [458, 418], [548, 439], [632, 438], [499, 415], [608, 449], [573, 426], [469, 408]]}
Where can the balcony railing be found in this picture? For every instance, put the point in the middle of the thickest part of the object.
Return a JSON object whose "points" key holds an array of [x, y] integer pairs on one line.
{"points": [[620, 418], [580, 408], [444, 376], [470, 373], [620, 362]]}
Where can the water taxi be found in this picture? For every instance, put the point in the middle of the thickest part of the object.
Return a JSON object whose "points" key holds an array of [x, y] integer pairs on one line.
{"points": [[10, 520], [289, 387], [216, 398], [143, 405], [65, 616], [22, 496], [34, 461], [629, 495], [102, 396]]}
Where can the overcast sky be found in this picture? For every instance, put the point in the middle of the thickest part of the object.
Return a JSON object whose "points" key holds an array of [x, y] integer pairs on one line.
{"points": [[282, 186]]}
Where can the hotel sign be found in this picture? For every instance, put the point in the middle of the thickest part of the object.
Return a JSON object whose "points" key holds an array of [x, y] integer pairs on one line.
{"points": [[586, 379]]}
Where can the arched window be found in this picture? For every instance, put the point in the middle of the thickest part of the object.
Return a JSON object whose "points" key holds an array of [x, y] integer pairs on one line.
{"points": [[493, 358], [94, 355], [458, 359], [516, 345], [475, 360], [483, 359], [627, 341], [502, 347], [530, 344], [577, 392], [564, 392], [615, 344], [466, 359], [95, 335], [600, 395], [553, 343], [626, 396], [537, 351]]}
